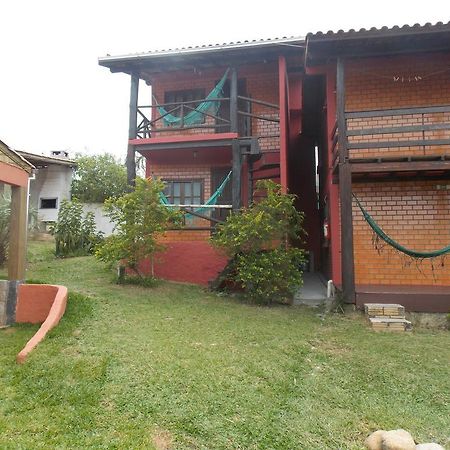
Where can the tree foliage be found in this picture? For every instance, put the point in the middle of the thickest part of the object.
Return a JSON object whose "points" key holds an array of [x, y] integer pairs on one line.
{"points": [[75, 235], [257, 241], [139, 217], [99, 177]]}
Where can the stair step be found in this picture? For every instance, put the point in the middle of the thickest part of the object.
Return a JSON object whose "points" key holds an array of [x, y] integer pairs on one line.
{"points": [[393, 310], [390, 324]]}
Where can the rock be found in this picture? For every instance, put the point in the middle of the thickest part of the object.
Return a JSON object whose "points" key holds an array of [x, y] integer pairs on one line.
{"points": [[397, 440], [429, 446], [373, 442]]}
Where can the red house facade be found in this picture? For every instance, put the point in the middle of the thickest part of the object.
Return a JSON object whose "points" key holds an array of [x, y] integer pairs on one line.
{"points": [[327, 116]]}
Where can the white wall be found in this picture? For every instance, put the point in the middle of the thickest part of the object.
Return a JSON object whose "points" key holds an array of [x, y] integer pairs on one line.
{"points": [[52, 181], [101, 221]]}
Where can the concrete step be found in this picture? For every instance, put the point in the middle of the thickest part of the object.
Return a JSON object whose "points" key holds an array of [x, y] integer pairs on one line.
{"points": [[390, 324], [393, 310]]}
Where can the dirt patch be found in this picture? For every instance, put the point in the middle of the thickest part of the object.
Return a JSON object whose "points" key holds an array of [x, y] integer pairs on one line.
{"points": [[8, 330], [162, 440]]}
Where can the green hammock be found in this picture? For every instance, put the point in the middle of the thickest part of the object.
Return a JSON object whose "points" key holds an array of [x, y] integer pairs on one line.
{"points": [[210, 202], [382, 235], [196, 116]]}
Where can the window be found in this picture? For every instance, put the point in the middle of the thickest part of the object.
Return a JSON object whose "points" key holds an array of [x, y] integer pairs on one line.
{"points": [[48, 203], [186, 192], [187, 95]]}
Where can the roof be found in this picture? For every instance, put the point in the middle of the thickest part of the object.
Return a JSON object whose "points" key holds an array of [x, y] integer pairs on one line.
{"points": [[377, 41], [15, 157], [39, 160], [160, 60], [396, 30]]}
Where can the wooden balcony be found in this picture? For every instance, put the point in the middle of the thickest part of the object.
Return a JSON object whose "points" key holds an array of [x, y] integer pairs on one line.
{"points": [[153, 124], [395, 143]]}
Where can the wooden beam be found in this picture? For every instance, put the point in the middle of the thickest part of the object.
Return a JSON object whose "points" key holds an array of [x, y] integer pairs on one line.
{"points": [[132, 129], [236, 178], [406, 166], [345, 190], [18, 233], [233, 100]]}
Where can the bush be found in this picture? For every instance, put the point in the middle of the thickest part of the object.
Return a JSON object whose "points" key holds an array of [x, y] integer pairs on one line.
{"points": [[138, 217], [257, 241], [75, 235]]}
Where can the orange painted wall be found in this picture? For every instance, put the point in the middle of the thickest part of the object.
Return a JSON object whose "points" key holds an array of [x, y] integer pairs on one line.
{"points": [[12, 175], [34, 302]]}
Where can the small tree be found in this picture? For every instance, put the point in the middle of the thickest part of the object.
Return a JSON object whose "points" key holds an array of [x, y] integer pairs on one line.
{"points": [[99, 177], [257, 241], [138, 217], [75, 235]]}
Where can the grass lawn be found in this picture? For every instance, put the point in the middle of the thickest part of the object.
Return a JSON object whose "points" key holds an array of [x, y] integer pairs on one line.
{"points": [[177, 367]]}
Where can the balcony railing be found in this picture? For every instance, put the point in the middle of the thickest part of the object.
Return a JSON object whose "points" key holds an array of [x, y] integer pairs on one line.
{"points": [[151, 122], [395, 134]]}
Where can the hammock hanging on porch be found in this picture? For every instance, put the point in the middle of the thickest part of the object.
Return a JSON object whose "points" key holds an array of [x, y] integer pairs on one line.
{"points": [[196, 116], [210, 202], [382, 235]]}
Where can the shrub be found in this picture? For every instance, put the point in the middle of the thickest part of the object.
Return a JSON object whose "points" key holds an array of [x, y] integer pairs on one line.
{"points": [[75, 235], [139, 217], [257, 240]]}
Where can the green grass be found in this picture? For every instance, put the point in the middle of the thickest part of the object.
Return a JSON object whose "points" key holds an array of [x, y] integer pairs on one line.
{"points": [[176, 367]]}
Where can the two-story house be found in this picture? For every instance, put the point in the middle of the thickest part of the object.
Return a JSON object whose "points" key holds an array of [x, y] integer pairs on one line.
{"points": [[330, 115]]}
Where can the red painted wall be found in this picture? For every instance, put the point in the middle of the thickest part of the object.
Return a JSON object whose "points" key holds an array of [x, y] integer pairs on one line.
{"points": [[187, 261]]}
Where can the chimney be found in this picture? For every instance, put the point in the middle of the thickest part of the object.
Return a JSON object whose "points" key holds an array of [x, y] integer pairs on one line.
{"points": [[60, 154]]}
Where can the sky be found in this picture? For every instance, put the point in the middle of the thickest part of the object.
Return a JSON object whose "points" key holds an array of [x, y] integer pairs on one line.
{"points": [[55, 96]]}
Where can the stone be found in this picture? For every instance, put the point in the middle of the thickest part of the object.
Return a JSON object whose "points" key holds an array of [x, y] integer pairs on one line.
{"points": [[397, 440], [373, 442], [429, 446]]}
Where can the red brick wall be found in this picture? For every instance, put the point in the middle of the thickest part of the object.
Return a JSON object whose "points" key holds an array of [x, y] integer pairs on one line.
{"points": [[262, 84], [414, 213], [370, 85]]}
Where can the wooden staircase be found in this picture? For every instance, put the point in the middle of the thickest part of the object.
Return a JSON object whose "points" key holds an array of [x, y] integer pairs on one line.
{"points": [[387, 317]]}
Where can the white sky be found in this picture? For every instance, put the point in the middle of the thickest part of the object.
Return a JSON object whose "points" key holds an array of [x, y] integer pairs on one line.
{"points": [[54, 95]]}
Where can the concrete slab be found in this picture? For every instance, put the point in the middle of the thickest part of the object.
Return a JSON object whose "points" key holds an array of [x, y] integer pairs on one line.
{"points": [[313, 292]]}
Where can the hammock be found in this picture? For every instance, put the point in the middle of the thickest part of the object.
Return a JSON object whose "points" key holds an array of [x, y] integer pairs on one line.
{"points": [[210, 202], [196, 116], [382, 235]]}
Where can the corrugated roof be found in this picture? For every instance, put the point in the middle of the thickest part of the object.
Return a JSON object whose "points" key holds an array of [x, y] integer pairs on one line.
{"points": [[363, 32], [16, 157], [46, 159], [293, 40]]}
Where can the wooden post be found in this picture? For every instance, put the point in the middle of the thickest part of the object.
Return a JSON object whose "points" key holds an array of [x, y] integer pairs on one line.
{"points": [[132, 129], [345, 190], [233, 101], [284, 125], [18, 233], [236, 180]]}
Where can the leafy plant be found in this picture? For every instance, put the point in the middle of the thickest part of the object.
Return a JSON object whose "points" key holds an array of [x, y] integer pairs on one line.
{"points": [[75, 235], [257, 240], [139, 217], [99, 177]]}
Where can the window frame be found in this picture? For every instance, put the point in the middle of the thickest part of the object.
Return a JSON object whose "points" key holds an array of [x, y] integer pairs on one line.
{"points": [[182, 96], [183, 181], [48, 198]]}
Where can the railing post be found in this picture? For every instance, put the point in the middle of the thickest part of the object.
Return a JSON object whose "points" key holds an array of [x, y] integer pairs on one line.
{"points": [[237, 171], [132, 129], [345, 190], [233, 101]]}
